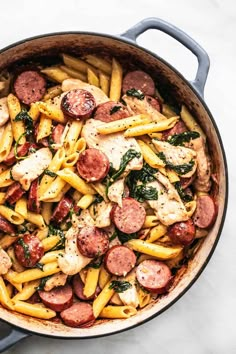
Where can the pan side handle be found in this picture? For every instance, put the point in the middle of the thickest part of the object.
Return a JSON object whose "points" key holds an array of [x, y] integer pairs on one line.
{"points": [[156, 23], [10, 339]]}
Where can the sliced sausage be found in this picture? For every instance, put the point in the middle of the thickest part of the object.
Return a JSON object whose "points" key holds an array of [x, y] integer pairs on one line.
{"points": [[30, 87], [182, 232], [14, 193], [22, 150], [29, 250], [205, 213], [178, 128], [57, 133], [130, 217], [33, 198], [58, 299], [139, 80], [79, 314], [78, 104], [111, 111], [78, 288], [62, 209], [186, 181], [93, 165], [6, 226], [154, 102], [92, 241], [120, 260], [154, 276]]}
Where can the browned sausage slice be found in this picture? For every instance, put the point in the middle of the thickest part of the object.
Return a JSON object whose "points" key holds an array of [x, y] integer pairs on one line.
{"points": [[33, 200], [57, 133], [79, 314], [120, 260], [14, 193], [30, 86], [139, 80], [93, 165], [205, 213], [178, 128], [22, 150], [78, 104], [182, 232], [29, 250], [92, 241], [78, 288], [130, 217], [6, 226], [58, 299], [62, 209], [154, 276], [154, 103], [111, 111]]}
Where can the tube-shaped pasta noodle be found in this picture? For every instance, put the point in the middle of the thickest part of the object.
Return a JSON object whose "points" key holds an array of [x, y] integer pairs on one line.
{"points": [[83, 274], [2, 197], [172, 175], [149, 155], [33, 274], [91, 281], [85, 201], [51, 111], [156, 232], [150, 221], [5, 178], [191, 207], [50, 242], [59, 195], [34, 310], [100, 189], [52, 92], [52, 256], [190, 121], [36, 219], [55, 73], [10, 276], [158, 251], [116, 80], [102, 299], [14, 108], [28, 290], [152, 127], [11, 215], [70, 160], [10, 289], [47, 212], [118, 312], [4, 296], [74, 73], [75, 63], [6, 142], [104, 277], [16, 266], [21, 207], [34, 112], [53, 190], [54, 166], [99, 63], [144, 297], [2, 168], [72, 136], [7, 240], [75, 181], [41, 233], [93, 79], [123, 124], [80, 145], [104, 82], [44, 128]]}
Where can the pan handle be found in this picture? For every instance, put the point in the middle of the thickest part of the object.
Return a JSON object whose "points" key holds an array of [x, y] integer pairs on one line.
{"points": [[156, 23], [13, 337]]}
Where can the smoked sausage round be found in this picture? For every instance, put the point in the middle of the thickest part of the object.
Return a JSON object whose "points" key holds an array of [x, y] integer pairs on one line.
{"points": [[29, 250], [78, 104], [120, 260]]}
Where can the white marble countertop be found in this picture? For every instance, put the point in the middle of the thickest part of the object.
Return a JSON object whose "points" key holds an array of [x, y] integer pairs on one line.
{"points": [[203, 320]]}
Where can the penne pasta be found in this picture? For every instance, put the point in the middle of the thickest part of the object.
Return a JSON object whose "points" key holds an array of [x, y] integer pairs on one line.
{"points": [[104, 277], [47, 211], [53, 190], [123, 124], [34, 273], [7, 140], [52, 92], [2, 198], [10, 276], [21, 207], [73, 73], [41, 233], [52, 256], [76, 64], [93, 79], [116, 81], [118, 312], [149, 155], [144, 297], [100, 189], [190, 121], [11, 215], [7, 240], [50, 242], [14, 108], [5, 178], [10, 290], [152, 127], [85, 201], [99, 63], [4, 296], [172, 175], [44, 128], [79, 146], [150, 221], [16, 266], [158, 251], [35, 219], [28, 290], [75, 181], [102, 299], [191, 207], [52, 112], [156, 232], [34, 112], [34, 310], [91, 281], [72, 137], [104, 83], [55, 73]]}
